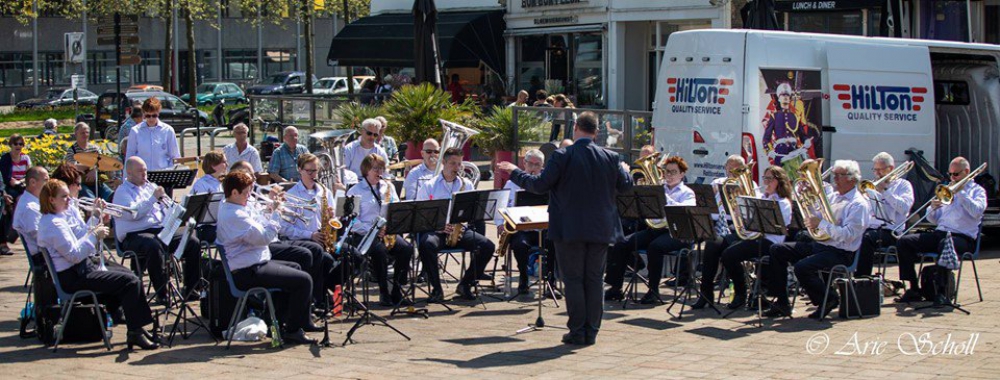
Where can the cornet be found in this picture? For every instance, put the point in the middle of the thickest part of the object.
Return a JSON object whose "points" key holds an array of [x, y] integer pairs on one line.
{"points": [[116, 211]]}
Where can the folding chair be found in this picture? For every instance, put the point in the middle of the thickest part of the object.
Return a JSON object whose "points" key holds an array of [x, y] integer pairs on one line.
{"points": [[66, 301], [970, 256], [242, 295], [843, 273]]}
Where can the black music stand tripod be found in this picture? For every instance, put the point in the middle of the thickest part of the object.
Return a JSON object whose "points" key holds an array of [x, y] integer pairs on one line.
{"points": [[413, 218], [475, 207], [639, 203], [196, 213], [367, 317], [690, 223], [762, 216]]}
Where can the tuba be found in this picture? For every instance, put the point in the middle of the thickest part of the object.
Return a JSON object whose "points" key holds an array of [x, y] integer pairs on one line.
{"points": [[455, 136], [811, 198], [741, 179], [649, 169], [332, 171], [865, 185]]}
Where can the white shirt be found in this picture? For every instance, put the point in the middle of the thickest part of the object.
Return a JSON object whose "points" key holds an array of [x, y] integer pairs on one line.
{"points": [[150, 211], [66, 238], [680, 195], [852, 213], [250, 155], [964, 213], [206, 184], [438, 188], [354, 154], [371, 207], [514, 188], [896, 202], [157, 146], [298, 229], [419, 174], [786, 214], [26, 217], [245, 234]]}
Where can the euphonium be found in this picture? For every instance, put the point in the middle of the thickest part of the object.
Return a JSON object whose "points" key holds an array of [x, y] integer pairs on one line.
{"points": [[741, 178], [649, 169], [388, 240], [456, 232], [328, 223], [811, 198]]}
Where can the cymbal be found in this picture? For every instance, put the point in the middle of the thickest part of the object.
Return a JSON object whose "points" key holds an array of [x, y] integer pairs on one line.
{"points": [[103, 162], [405, 164]]}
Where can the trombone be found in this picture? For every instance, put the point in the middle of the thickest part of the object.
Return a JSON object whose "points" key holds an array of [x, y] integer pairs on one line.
{"points": [[116, 211], [943, 193], [865, 185]]}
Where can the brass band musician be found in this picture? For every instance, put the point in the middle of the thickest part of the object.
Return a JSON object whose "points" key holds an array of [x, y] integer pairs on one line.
{"points": [[896, 199]]}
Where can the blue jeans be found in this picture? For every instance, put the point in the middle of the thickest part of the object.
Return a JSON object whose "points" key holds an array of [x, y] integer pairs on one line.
{"points": [[87, 191]]}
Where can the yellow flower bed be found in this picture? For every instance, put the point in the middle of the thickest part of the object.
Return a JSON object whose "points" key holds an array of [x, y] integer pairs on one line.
{"points": [[50, 150]]}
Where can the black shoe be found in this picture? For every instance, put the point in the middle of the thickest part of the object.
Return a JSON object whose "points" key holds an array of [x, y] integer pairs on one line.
{"points": [[384, 299], [613, 294], [677, 283], [313, 328], [485, 277], [590, 339], [911, 295], [739, 300], [464, 292], [650, 298], [523, 289], [437, 296], [701, 304], [574, 339], [297, 337], [5, 251], [139, 338], [778, 310], [830, 305]]}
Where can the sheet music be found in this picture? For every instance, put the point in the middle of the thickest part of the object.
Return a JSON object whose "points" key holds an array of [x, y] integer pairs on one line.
{"points": [[501, 199], [172, 222], [529, 214], [183, 244]]}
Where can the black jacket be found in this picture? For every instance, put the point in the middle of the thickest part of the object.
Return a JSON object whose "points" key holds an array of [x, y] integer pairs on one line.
{"points": [[582, 181]]}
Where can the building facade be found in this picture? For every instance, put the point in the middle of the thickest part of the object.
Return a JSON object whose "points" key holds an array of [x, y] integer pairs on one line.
{"points": [[228, 53]]}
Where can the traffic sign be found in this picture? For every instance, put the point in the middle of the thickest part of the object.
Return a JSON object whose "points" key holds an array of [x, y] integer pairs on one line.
{"points": [[129, 59], [109, 30], [131, 49], [110, 19], [110, 40]]}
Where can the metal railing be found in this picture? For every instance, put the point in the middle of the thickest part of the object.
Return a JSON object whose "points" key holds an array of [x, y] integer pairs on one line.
{"points": [[621, 131]]}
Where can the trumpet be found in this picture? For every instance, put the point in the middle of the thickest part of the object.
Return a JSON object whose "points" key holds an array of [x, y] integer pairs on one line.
{"points": [[290, 200], [116, 211], [943, 193], [287, 215]]}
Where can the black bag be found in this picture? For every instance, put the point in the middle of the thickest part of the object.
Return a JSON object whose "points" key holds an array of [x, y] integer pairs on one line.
{"points": [[868, 290], [44, 296], [82, 326], [931, 285], [217, 307]]}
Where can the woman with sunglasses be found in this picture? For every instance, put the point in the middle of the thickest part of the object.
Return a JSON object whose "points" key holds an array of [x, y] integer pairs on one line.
{"points": [[153, 140], [357, 150], [13, 167]]}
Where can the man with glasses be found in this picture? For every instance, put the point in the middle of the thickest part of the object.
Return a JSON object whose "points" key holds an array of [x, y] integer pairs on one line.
{"points": [[895, 200], [356, 151], [153, 140], [424, 171], [961, 217], [387, 142], [851, 214], [241, 150], [283, 166], [522, 241]]}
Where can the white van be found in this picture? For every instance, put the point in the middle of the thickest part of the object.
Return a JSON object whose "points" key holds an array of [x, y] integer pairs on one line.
{"points": [[781, 97]]}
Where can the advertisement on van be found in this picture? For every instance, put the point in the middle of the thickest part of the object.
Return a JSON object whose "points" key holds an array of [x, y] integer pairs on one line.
{"points": [[791, 104]]}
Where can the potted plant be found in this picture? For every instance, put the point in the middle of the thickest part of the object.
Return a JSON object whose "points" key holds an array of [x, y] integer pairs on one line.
{"points": [[351, 114], [496, 137], [415, 110]]}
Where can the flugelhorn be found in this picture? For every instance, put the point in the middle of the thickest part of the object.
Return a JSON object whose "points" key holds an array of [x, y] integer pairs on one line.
{"points": [[116, 211], [811, 198], [943, 193]]}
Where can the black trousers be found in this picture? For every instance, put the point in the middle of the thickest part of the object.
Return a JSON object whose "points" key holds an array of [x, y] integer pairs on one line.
{"points": [[521, 244], [117, 287], [624, 254], [738, 252], [809, 259], [401, 255], [296, 288], [710, 261], [582, 269], [206, 233], [910, 246], [151, 251], [869, 243], [319, 263], [658, 249], [478, 245]]}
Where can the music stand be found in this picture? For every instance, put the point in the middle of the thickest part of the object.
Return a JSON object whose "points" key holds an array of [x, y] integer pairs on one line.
{"points": [[473, 207], [415, 217], [639, 203], [367, 316], [522, 198], [690, 223], [704, 195], [172, 179], [762, 216], [527, 198], [196, 213]]}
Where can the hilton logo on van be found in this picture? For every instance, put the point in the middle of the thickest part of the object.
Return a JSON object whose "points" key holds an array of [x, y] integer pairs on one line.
{"points": [[895, 102], [705, 92]]}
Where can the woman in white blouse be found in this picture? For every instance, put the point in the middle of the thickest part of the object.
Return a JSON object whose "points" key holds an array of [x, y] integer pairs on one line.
{"points": [[73, 249], [214, 165]]}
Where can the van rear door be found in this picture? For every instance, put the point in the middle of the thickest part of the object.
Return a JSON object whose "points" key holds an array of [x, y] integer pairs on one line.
{"points": [[699, 97], [881, 99]]}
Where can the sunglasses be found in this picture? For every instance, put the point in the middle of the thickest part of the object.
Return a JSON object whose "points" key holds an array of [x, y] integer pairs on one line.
{"points": [[955, 174], [431, 151], [152, 115], [17, 144], [370, 133]]}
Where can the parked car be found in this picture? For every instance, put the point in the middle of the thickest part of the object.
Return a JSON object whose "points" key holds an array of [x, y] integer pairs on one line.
{"points": [[335, 85], [175, 111], [214, 93], [57, 97], [288, 82], [144, 88]]}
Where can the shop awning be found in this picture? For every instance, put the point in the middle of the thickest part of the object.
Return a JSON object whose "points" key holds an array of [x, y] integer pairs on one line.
{"points": [[386, 40]]}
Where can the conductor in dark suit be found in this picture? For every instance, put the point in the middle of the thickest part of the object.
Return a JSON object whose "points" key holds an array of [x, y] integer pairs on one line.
{"points": [[582, 181]]}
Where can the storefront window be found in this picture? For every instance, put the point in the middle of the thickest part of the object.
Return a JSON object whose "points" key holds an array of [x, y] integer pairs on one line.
{"points": [[570, 64], [943, 20], [587, 70]]}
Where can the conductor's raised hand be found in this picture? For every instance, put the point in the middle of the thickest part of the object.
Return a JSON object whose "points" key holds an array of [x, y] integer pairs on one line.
{"points": [[506, 167]]}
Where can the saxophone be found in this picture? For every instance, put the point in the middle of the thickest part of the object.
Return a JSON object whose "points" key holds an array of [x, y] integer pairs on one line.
{"points": [[456, 232], [328, 223], [388, 240]]}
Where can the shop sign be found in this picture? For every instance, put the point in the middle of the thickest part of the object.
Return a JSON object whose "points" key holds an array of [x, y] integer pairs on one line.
{"points": [[548, 3], [557, 20]]}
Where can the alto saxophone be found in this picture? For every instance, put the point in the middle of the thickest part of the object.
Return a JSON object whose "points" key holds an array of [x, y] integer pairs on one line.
{"points": [[388, 240], [456, 232], [328, 223]]}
